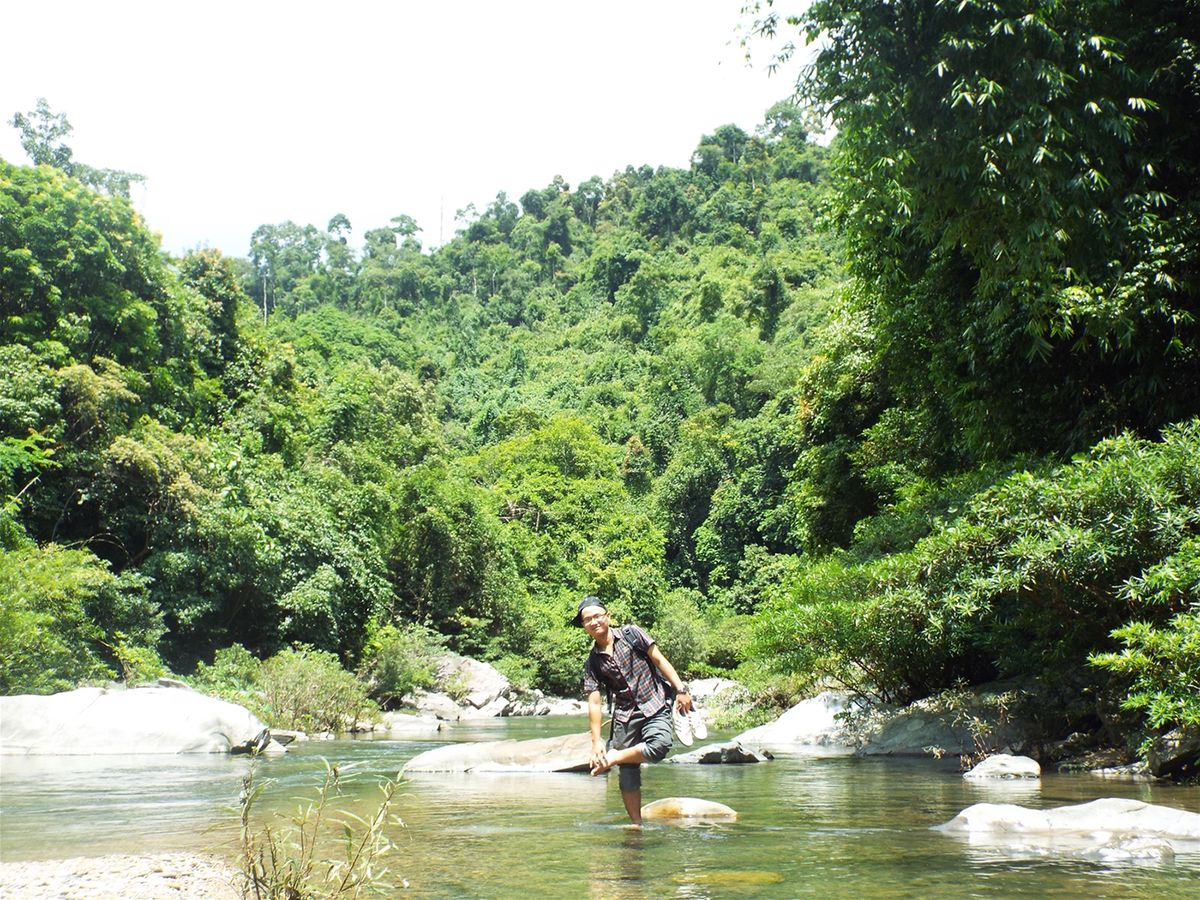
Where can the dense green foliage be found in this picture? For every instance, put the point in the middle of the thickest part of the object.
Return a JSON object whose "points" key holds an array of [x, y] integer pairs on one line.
{"points": [[339, 449], [948, 438]]}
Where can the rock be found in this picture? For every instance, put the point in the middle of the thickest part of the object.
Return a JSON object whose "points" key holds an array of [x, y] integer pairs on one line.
{"points": [[570, 753], [490, 711], [1002, 765], [1135, 771], [477, 682], [434, 703], [687, 808], [933, 725], [286, 737], [1135, 849], [1102, 819], [412, 725], [729, 753], [148, 719], [1175, 754], [557, 706], [815, 722]]}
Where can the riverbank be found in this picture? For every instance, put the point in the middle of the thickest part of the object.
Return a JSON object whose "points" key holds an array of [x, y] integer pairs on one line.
{"points": [[180, 876]]}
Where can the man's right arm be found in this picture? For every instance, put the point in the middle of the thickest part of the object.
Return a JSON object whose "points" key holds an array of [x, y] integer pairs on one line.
{"points": [[596, 725]]}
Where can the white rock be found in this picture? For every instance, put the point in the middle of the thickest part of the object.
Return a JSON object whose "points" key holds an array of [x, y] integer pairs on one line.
{"points": [[561, 707], [1002, 765], [481, 682], [434, 703], [814, 722], [1106, 818], [149, 719]]}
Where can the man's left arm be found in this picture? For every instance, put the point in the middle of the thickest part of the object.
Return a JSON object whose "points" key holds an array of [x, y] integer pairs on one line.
{"points": [[683, 700]]}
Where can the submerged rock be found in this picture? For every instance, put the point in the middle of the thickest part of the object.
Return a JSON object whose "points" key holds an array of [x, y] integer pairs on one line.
{"points": [[687, 808], [728, 753], [1002, 765], [145, 719], [570, 753]]}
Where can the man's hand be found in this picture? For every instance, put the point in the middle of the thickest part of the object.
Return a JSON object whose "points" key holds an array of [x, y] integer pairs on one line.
{"points": [[599, 760], [683, 702]]}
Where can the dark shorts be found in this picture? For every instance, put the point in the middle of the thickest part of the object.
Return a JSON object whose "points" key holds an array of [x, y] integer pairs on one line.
{"points": [[653, 731]]}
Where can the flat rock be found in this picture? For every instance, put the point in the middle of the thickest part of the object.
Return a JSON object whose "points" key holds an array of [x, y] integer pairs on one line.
{"points": [[148, 719], [1002, 765], [687, 808], [1109, 817], [569, 753], [729, 753]]}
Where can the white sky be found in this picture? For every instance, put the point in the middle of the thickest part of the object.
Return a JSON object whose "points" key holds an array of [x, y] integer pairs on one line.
{"points": [[244, 113]]}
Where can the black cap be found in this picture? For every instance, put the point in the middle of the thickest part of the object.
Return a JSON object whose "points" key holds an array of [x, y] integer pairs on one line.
{"points": [[584, 604]]}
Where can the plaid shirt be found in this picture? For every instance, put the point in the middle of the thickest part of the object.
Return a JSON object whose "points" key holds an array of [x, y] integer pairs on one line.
{"points": [[628, 673]]}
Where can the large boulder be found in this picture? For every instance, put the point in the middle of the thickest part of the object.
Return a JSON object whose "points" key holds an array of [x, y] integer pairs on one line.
{"points": [[433, 703], [478, 683], [570, 753], [940, 725], [816, 722], [730, 753], [163, 718], [1103, 820]]}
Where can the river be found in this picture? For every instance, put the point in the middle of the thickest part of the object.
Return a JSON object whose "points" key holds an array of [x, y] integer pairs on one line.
{"points": [[834, 827]]}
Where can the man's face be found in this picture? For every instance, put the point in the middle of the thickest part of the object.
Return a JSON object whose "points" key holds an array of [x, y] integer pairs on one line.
{"points": [[595, 622]]}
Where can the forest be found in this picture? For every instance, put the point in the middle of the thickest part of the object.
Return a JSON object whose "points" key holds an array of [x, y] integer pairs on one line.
{"points": [[907, 407]]}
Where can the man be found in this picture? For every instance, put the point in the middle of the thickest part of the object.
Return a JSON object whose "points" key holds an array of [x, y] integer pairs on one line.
{"points": [[628, 663]]}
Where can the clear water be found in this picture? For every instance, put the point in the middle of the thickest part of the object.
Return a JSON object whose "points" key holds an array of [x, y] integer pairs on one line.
{"points": [[835, 827]]}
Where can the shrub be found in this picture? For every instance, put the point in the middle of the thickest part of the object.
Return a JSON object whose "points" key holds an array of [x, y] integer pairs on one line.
{"points": [[398, 659], [308, 690], [1033, 576], [233, 676]]}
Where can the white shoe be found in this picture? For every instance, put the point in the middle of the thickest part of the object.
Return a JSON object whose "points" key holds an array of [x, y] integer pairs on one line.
{"points": [[683, 728], [699, 726]]}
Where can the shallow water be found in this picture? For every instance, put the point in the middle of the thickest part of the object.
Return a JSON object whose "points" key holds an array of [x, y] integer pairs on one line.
{"points": [[838, 826]]}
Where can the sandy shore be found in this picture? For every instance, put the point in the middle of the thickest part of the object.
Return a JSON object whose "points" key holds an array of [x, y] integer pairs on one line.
{"points": [[181, 876]]}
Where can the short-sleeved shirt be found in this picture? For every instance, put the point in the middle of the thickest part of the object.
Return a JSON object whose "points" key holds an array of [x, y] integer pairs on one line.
{"points": [[628, 673]]}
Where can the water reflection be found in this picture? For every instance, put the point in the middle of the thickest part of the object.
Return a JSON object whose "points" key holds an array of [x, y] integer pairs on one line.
{"points": [[620, 875]]}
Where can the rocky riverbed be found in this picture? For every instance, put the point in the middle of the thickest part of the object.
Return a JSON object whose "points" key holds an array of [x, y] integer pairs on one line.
{"points": [[180, 876]]}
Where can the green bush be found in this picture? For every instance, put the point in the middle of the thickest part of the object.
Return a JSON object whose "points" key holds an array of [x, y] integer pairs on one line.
{"points": [[59, 616], [398, 659], [308, 690], [233, 676], [1033, 576]]}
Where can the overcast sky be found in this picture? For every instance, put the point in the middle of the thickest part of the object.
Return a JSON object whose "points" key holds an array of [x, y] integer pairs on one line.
{"points": [[244, 113]]}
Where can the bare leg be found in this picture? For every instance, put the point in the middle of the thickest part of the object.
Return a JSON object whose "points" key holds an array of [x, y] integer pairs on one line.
{"points": [[631, 757], [633, 805]]}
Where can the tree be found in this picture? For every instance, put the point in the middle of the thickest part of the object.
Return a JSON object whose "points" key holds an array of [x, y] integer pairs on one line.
{"points": [[42, 132], [1018, 193]]}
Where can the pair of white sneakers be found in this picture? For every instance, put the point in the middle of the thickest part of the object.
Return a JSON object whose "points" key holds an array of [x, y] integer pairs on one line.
{"points": [[689, 726]]}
